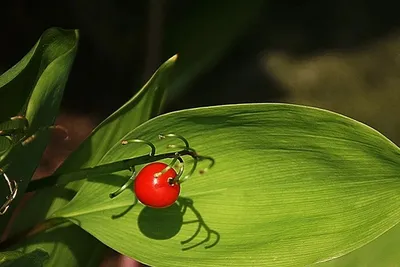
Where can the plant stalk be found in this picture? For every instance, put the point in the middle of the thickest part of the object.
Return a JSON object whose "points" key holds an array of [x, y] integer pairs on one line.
{"points": [[126, 164]]}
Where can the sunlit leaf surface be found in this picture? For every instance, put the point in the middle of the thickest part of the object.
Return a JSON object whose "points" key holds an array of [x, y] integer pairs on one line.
{"points": [[292, 186]]}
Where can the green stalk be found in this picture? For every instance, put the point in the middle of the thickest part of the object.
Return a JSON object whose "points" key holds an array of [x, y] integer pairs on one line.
{"points": [[126, 164]]}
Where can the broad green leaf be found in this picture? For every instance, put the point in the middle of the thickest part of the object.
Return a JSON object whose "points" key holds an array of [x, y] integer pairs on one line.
{"points": [[202, 43], [144, 105], [17, 84], [292, 186], [35, 258], [44, 71]]}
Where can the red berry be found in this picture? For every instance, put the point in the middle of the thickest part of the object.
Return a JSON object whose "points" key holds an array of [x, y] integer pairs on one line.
{"points": [[156, 191]]}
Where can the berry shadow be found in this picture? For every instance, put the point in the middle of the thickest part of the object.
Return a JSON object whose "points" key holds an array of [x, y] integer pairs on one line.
{"points": [[162, 224]]}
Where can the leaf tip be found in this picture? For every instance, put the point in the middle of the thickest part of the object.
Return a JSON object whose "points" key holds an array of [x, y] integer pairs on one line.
{"points": [[173, 58], [77, 34]]}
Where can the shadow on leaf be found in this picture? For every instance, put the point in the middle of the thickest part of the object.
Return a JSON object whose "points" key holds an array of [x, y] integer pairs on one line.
{"points": [[187, 203], [161, 224]]}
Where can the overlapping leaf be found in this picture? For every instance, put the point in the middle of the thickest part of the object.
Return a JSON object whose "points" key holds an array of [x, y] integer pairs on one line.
{"points": [[292, 186], [34, 87], [146, 104]]}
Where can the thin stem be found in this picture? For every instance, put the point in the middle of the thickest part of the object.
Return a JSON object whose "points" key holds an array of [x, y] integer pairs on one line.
{"points": [[190, 173], [152, 147], [170, 166], [63, 179], [125, 185], [212, 162], [183, 139], [196, 159], [13, 188], [180, 172]]}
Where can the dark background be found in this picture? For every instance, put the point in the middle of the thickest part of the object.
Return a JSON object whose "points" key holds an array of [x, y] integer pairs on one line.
{"points": [[123, 42], [340, 55]]}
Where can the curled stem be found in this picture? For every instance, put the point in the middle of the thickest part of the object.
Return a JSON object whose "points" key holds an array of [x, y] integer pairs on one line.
{"points": [[13, 187], [194, 166], [176, 158], [196, 158], [180, 172], [151, 145], [128, 164], [125, 185], [183, 139], [212, 163]]}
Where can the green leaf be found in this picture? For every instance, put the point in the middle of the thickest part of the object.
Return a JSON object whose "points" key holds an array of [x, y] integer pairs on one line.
{"points": [[292, 186], [33, 71], [40, 77], [144, 105], [17, 84], [35, 258]]}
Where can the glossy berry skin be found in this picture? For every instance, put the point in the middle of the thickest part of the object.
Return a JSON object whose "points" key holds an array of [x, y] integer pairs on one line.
{"points": [[156, 192]]}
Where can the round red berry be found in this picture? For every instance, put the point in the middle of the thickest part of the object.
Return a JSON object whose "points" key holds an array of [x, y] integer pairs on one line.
{"points": [[155, 190]]}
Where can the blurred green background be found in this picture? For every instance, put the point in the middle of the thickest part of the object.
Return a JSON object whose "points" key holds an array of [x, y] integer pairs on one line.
{"points": [[339, 55]]}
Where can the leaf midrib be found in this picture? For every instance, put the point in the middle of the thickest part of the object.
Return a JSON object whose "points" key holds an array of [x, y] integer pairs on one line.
{"points": [[82, 212]]}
